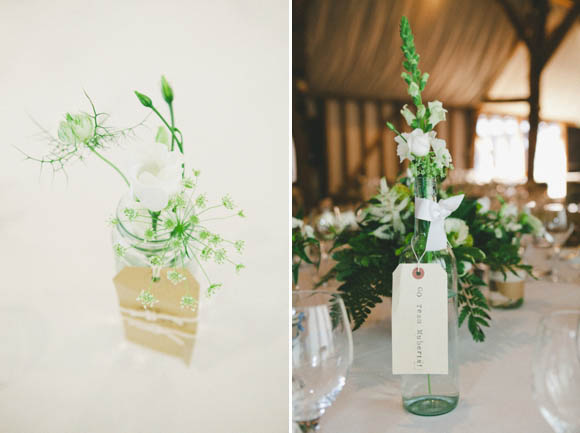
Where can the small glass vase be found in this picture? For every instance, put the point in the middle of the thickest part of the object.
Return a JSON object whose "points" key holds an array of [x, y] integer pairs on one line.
{"points": [[506, 292], [433, 394], [159, 309]]}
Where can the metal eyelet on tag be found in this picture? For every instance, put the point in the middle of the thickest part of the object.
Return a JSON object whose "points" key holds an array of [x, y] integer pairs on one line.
{"points": [[418, 273]]}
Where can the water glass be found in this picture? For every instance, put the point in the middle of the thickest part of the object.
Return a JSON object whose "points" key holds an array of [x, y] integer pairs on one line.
{"points": [[556, 370], [321, 354]]}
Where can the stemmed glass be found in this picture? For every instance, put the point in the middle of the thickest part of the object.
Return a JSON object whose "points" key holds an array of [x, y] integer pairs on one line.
{"points": [[321, 354], [556, 370], [558, 229]]}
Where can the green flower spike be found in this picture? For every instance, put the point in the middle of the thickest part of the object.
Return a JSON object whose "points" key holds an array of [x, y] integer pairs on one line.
{"points": [[147, 299], [239, 268]]}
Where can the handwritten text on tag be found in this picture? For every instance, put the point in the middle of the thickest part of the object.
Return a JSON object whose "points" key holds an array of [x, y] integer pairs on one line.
{"points": [[419, 319]]}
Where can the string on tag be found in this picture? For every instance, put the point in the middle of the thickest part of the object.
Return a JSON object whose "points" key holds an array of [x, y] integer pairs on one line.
{"points": [[415, 254]]}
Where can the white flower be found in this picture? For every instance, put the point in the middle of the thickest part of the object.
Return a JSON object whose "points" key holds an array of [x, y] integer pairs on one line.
{"points": [[498, 233], [82, 126], [155, 175], [417, 143], [442, 155], [437, 113], [413, 89], [485, 204], [297, 223], [408, 115], [508, 210], [308, 231], [536, 224], [464, 267], [512, 226], [457, 231], [403, 151]]}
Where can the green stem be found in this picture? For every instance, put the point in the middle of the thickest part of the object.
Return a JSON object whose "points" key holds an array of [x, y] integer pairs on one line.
{"points": [[173, 136], [109, 163], [173, 127], [429, 383], [154, 220]]}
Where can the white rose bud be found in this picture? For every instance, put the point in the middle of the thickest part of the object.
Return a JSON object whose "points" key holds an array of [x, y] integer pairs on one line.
{"points": [[82, 126], [458, 231], [437, 113], [155, 175], [418, 142], [408, 115]]}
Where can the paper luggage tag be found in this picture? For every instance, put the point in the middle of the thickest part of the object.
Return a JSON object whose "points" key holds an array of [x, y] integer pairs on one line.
{"points": [[419, 319]]}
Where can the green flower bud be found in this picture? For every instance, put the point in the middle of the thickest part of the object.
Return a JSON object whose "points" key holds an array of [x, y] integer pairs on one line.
{"points": [[144, 99], [166, 90]]}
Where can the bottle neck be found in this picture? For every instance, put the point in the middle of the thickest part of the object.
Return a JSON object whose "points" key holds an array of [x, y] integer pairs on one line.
{"points": [[425, 187]]}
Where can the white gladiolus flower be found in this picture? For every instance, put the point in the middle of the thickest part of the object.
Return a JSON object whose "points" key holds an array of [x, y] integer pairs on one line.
{"points": [[442, 155], [82, 126], [155, 175], [485, 204], [437, 113], [413, 89], [403, 151], [458, 230], [407, 114]]}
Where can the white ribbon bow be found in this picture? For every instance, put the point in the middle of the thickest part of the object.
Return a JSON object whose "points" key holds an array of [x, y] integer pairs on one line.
{"points": [[429, 210]]}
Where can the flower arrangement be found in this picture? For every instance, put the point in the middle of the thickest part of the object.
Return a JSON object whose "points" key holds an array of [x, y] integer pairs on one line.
{"points": [[303, 240], [163, 205], [366, 256]]}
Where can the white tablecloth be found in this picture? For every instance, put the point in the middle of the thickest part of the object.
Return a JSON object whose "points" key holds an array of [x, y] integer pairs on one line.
{"points": [[495, 376]]}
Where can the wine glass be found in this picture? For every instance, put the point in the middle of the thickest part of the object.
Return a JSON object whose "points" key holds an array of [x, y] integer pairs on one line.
{"points": [[556, 370], [558, 230], [321, 354]]}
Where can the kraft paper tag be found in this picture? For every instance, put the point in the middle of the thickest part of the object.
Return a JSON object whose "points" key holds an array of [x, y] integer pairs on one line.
{"points": [[419, 319]]}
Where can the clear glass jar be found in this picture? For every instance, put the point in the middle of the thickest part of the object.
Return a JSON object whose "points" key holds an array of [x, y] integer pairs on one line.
{"points": [[506, 292], [433, 394], [158, 295]]}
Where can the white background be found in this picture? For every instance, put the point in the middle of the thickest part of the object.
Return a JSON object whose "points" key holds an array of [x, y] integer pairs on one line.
{"points": [[64, 365]]}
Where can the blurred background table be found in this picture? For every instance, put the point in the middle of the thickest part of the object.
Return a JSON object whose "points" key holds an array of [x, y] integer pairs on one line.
{"points": [[495, 376]]}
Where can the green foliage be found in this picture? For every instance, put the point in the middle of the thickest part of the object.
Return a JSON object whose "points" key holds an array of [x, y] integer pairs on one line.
{"points": [[303, 242]]}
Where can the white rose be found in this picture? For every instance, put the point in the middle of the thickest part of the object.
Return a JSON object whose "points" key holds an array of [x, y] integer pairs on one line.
{"points": [[408, 115], [65, 133], [155, 175], [418, 141], [437, 113], [82, 126], [458, 228], [485, 204]]}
